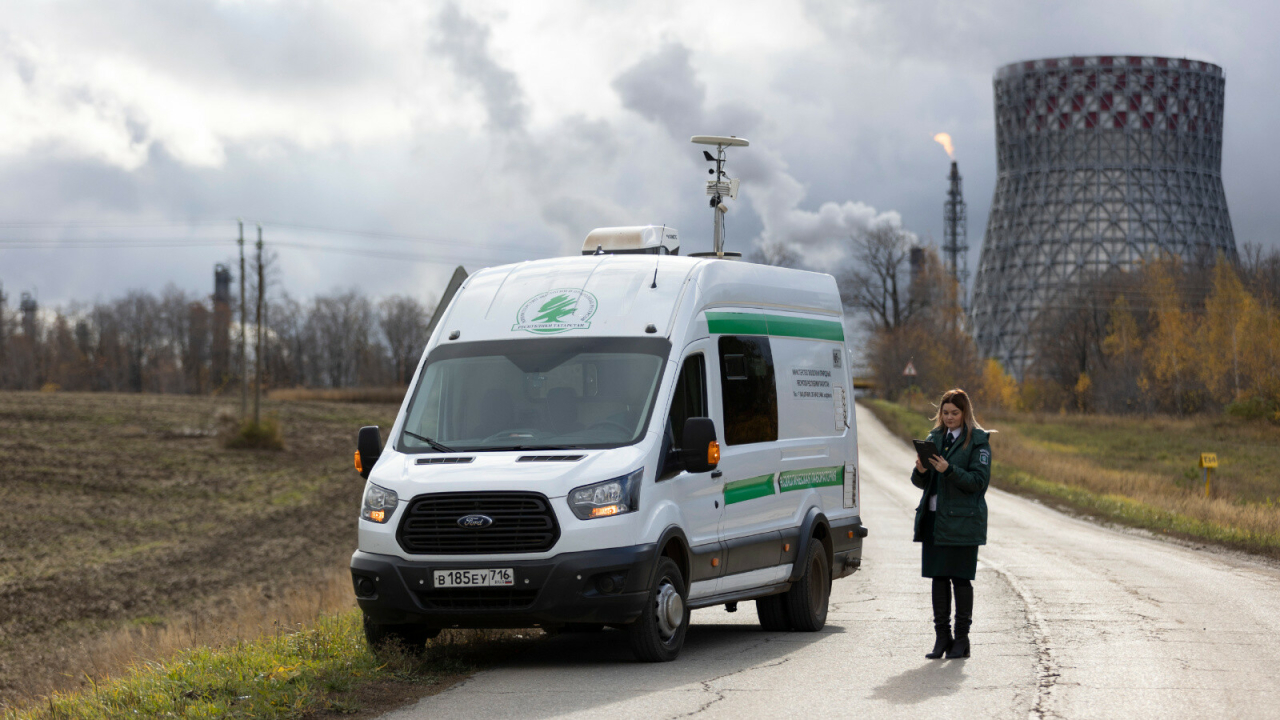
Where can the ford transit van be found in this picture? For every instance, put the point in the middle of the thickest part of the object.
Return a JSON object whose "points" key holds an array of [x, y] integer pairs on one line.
{"points": [[615, 440]]}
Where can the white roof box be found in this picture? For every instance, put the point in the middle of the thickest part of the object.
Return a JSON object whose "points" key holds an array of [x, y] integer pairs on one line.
{"points": [[637, 240]]}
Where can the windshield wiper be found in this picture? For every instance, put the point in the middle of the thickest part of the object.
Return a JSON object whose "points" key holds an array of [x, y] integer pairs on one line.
{"points": [[434, 445], [530, 447]]}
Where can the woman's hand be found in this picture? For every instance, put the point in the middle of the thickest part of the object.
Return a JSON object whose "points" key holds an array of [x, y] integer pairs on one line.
{"points": [[938, 462], [919, 465]]}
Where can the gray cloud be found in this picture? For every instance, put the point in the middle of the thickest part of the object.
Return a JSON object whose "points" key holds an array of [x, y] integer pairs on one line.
{"points": [[398, 116], [664, 88], [465, 42]]}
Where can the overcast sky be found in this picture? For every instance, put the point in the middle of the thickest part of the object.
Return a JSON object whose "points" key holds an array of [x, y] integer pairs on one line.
{"points": [[488, 132]]}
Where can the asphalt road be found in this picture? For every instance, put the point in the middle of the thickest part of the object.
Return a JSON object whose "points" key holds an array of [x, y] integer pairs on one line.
{"points": [[1072, 620]]}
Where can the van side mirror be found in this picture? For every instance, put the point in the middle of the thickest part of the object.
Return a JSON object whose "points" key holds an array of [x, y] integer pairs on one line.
{"points": [[368, 449], [701, 451]]}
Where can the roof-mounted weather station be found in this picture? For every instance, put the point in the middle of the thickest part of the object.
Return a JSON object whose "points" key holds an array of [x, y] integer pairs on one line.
{"points": [[720, 187]]}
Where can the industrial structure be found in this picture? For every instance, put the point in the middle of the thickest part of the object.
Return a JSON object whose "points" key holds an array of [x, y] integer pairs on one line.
{"points": [[955, 232], [1102, 162], [220, 351]]}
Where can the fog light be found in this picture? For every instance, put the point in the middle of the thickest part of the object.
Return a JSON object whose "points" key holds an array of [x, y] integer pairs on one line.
{"points": [[364, 587], [611, 583]]}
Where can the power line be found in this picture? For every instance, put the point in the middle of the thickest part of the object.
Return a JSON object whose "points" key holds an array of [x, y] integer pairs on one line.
{"points": [[377, 234], [446, 257]]}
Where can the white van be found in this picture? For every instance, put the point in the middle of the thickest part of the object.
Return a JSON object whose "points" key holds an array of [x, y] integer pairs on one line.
{"points": [[615, 440]]}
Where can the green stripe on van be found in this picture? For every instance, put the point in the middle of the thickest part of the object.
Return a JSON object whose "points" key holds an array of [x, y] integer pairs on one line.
{"points": [[811, 478], [749, 489], [735, 323]]}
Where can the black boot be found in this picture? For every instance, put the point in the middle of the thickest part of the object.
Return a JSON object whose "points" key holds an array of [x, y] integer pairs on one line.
{"points": [[964, 618], [941, 617]]}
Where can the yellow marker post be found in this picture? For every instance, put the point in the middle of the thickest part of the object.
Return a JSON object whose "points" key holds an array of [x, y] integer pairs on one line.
{"points": [[1208, 462]]}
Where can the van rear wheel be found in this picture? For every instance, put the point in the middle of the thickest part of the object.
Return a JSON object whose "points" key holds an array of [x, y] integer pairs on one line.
{"points": [[807, 599], [773, 614], [412, 638], [658, 634]]}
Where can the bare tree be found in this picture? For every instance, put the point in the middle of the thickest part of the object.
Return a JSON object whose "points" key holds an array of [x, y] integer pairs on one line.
{"points": [[404, 324], [136, 314], [339, 325], [878, 283], [776, 253]]}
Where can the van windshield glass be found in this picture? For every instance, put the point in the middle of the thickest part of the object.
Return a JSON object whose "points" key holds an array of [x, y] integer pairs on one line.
{"points": [[535, 393]]}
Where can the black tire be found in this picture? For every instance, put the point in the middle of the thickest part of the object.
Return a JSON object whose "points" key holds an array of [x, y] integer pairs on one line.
{"points": [[807, 599], [773, 613], [410, 637], [658, 634]]}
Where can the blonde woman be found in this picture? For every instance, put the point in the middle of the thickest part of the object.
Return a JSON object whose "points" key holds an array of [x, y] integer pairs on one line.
{"points": [[951, 520]]}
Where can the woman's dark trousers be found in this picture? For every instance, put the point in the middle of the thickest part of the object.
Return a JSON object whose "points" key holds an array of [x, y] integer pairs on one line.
{"points": [[959, 647]]}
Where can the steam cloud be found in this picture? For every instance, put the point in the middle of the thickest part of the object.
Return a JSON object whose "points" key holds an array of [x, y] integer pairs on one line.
{"points": [[665, 89]]}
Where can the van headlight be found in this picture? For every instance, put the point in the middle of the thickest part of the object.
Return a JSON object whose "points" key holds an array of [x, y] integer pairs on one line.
{"points": [[604, 499], [379, 503]]}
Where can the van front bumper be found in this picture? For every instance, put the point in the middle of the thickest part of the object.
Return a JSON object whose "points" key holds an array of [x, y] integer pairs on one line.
{"points": [[568, 588]]}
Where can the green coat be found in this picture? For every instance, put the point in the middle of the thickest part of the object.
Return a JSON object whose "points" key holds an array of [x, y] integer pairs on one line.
{"points": [[962, 507]]}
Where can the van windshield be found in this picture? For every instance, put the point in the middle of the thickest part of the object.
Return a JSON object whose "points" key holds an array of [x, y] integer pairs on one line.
{"points": [[535, 393]]}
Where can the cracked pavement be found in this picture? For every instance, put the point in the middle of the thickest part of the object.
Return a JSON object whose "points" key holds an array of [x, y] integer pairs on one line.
{"points": [[1071, 620]]}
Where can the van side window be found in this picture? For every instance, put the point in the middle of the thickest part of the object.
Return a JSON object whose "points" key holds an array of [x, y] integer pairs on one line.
{"points": [[747, 389], [690, 398]]}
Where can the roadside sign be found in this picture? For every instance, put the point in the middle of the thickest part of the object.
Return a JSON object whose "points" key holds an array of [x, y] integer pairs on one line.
{"points": [[909, 370], [1208, 463]]}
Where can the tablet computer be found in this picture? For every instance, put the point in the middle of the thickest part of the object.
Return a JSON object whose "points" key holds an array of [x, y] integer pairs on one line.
{"points": [[926, 450]]}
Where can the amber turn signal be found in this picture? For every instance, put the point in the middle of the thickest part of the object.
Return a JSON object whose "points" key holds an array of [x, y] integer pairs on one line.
{"points": [[359, 467], [378, 515], [850, 534], [786, 547], [713, 452], [715, 562]]}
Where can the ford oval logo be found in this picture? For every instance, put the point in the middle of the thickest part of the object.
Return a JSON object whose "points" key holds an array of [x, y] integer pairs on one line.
{"points": [[475, 521]]}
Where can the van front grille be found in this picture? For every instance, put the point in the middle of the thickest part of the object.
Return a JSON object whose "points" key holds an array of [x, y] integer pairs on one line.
{"points": [[521, 523]]}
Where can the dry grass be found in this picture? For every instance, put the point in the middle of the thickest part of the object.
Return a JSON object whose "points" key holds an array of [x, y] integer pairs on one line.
{"points": [[238, 615], [351, 395], [1225, 519], [1140, 471]]}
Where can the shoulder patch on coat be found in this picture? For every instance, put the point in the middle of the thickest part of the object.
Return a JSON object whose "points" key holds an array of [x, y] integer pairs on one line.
{"points": [[984, 457]]}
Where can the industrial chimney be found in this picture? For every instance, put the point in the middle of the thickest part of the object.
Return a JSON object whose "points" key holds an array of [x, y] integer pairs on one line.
{"points": [[220, 350], [955, 232]]}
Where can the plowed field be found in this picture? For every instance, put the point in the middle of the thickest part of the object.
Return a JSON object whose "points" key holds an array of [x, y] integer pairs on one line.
{"points": [[121, 515]]}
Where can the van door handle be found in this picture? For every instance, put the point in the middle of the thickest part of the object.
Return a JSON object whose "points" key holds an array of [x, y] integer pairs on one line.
{"points": [[716, 473]]}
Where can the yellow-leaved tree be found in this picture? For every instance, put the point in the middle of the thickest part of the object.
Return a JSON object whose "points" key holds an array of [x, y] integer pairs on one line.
{"points": [[997, 388], [1223, 340], [1169, 351]]}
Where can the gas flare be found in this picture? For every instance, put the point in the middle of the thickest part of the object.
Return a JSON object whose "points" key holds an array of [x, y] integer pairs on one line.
{"points": [[945, 140]]}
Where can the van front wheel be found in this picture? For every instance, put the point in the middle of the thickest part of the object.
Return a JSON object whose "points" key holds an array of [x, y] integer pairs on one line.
{"points": [[658, 634], [807, 598]]}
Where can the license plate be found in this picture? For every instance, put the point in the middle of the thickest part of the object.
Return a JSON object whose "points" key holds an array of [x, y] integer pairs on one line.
{"points": [[492, 577]]}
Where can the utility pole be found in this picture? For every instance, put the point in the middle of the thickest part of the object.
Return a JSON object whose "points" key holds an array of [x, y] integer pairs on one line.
{"points": [[257, 353], [2, 336], [244, 370]]}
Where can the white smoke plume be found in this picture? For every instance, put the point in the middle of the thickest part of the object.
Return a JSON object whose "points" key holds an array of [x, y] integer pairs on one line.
{"points": [[665, 89]]}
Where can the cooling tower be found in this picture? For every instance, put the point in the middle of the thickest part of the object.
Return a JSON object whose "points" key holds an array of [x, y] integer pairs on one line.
{"points": [[1102, 162]]}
